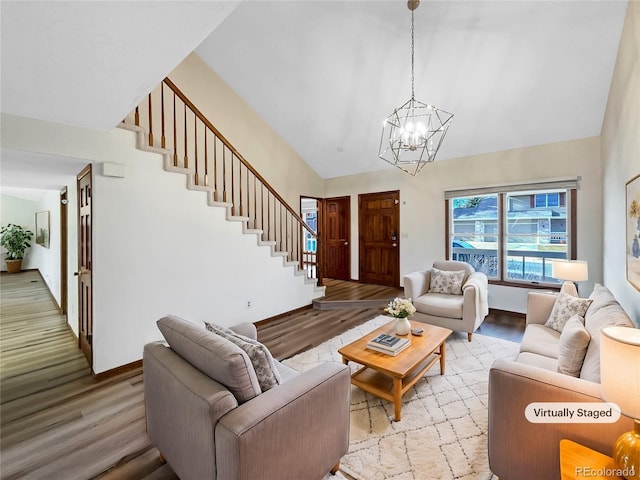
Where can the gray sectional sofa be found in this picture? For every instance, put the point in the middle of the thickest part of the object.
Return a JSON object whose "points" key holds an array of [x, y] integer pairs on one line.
{"points": [[520, 450]]}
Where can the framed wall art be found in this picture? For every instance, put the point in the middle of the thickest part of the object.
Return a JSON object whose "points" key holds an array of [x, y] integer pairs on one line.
{"points": [[42, 228], [633, 231]]}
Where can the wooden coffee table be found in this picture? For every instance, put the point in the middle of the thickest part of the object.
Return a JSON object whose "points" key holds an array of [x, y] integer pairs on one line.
{"points": [[390, 377]]}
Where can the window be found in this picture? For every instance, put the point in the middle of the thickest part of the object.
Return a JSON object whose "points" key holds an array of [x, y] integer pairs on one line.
{"points": [[549, 199], [512, 235], [311, 219]]}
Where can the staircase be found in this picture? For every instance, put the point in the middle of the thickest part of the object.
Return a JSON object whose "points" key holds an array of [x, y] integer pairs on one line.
{"points": [[169, 124]]}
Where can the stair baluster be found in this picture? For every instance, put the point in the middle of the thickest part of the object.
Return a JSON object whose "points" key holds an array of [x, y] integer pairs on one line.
{"points": [[208, 153]]}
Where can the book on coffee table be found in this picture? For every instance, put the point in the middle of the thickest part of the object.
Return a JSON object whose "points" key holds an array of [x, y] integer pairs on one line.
{"points": [[389, 344]]}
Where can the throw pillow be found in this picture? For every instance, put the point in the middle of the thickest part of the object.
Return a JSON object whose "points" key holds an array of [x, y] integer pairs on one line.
{"points": [[565, 307], [216, 357], [260, 356], [443, 281], [574, 341]]}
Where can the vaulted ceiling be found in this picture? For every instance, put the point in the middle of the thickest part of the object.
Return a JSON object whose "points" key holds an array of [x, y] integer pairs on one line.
{"points": [[324, 74]]}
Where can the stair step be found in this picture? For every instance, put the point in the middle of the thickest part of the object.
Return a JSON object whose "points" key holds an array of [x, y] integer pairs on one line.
{"points": [[215, 203], [191, 185], [321, 304], [236, 218], [185, 171], [152, 149]]}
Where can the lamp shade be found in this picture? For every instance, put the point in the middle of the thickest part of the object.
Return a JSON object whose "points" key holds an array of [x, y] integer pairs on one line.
{"points": [[620, 368], [572, 270]]}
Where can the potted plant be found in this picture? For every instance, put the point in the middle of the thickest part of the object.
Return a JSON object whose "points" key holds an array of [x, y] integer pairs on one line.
{"points": [[16, 240]]}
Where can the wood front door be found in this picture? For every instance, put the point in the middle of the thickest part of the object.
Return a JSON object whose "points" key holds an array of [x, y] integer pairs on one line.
{"points": [[379, 231], [85, 242], [337, 258]]}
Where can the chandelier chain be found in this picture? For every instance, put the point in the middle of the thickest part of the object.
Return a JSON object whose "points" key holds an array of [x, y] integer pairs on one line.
{"points": [[412, 49]]}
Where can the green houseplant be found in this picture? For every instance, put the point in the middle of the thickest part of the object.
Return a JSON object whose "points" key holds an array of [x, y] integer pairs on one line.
{"points": [[16, 240]]}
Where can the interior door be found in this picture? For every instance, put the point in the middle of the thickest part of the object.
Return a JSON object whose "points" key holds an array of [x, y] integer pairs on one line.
{"points": [[85, 239], [379, 232], [337, 258]]}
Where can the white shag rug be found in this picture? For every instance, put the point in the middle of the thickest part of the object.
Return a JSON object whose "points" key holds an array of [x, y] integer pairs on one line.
{"points": [[443, 431]]}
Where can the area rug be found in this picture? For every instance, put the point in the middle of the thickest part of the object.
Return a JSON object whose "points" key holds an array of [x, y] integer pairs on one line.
{"points": [[443, 431]]}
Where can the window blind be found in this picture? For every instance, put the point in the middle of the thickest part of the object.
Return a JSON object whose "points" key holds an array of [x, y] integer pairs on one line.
{"points": [[554, 184]]}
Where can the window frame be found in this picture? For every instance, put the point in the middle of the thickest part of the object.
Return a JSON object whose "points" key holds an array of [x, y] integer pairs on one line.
{"points": [[502, 213]]}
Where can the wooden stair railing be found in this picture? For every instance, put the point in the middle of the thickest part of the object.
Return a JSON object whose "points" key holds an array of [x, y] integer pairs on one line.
{"points": [[196, 147]]}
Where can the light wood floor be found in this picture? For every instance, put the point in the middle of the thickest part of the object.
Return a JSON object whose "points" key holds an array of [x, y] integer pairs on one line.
{"points": [[57, 422]]}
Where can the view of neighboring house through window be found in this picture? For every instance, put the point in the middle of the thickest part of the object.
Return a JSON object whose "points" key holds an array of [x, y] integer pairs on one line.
{"points": [[309, 210], [310, 243], [511, 236]]}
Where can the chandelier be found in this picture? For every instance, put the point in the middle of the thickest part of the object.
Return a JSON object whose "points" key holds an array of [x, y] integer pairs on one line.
{"points": [[413, 133]]}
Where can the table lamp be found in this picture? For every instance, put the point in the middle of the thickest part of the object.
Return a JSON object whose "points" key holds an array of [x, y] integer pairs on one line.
{"points": [[620, 384], [570, 271]]}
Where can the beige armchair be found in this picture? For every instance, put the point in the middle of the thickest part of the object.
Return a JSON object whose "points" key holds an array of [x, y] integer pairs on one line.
{"points": [[228, 428], [461, 312]]}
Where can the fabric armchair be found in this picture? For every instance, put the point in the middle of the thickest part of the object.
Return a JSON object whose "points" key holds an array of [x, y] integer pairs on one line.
{"points": [[462, 312], [297, 429]]}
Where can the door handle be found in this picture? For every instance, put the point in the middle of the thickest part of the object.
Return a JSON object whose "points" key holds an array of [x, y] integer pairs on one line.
{"points": [[394, 244], [346, 243], [78, 274]]}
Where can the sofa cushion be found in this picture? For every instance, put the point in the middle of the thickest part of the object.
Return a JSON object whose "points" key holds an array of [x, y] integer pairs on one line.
{"points": [[565, 307], [541, 361], [440, 305], [572, 347], [608, 315], [601, 297], [286, 372], [540, 340], [443, 281], [263, 363], [611, 314], [213, 355]]}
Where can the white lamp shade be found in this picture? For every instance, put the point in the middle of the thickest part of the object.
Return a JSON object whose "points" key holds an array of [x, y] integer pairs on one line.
{"points": [[620, 368], [572, 270]]}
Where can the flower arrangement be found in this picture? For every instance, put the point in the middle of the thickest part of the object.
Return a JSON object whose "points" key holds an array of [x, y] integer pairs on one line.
{"points": [[400, 308]]}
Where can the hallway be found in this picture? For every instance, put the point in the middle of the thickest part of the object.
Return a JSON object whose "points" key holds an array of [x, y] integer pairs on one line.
{"points": [[57, 422]]}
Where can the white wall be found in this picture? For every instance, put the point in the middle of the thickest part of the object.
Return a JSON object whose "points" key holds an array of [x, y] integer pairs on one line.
{"points": [[47, 260], [262, 147], [621, 159], [422, 212], [160, 249], [21, 212]]}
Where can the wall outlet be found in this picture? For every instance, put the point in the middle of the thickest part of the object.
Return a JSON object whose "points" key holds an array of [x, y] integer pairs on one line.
{"points": [[249, 304]]}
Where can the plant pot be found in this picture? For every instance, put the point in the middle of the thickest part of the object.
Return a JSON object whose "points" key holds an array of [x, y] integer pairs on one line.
{"points": [[14, 266]]}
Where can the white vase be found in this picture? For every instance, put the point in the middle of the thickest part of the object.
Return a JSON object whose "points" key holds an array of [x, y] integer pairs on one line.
{"points": [[402, 326]]}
